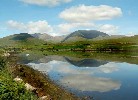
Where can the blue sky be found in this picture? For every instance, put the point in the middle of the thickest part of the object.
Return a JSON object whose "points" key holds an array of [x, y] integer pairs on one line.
{"points": [[61, 17]]}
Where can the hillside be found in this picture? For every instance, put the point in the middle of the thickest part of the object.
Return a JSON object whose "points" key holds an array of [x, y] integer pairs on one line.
{"points": [[49, 38], [84, 35], [22, 39], [123, 40]]}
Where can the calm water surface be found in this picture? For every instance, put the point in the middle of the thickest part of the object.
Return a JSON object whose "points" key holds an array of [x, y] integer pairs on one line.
{"points": [[102, 80]]}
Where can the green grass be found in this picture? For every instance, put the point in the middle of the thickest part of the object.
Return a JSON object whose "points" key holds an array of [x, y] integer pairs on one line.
{"points": [[120, 44], [11, 90]]}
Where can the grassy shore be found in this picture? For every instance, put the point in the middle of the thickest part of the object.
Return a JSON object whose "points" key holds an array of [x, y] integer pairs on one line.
{"points": [[17, 91], [10, 89]]}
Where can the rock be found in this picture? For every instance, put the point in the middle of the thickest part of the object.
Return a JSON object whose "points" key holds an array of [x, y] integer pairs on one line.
{"points": [[45, 98], [6, 54], [17, 79], [29, 87], [27, 54]]}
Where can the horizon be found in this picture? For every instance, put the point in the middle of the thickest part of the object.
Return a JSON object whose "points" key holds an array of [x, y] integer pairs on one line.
{"points": [[68, 34], [62, 17]]}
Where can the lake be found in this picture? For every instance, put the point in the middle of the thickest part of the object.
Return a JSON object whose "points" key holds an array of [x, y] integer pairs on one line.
{"points": [[91, 77]]}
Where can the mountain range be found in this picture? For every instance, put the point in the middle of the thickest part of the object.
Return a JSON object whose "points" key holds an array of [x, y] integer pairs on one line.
{"points": [[39, 38], [75, 36]]}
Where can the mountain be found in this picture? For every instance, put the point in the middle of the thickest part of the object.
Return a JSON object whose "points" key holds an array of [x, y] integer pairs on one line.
{"points": [[19, 40], [45, 36], [49, 38], [21, 37], [84, 35]]}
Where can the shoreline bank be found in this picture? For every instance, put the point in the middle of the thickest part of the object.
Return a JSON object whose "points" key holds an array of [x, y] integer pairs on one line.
{"points": [[44, 86]]}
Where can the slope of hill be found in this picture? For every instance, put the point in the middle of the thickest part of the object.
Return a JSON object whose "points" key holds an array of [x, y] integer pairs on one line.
{"points": [[20, 40], [109, 37], [48, 38], [84, 34], [121, 40]]}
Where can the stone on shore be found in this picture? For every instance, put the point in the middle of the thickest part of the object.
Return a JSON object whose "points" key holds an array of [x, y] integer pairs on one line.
{"points": [[17, 79], [29, 87]]}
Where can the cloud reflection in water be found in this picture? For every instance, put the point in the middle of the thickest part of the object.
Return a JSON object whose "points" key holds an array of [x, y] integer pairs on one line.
{"points": [[90, 83], [83, 79]]}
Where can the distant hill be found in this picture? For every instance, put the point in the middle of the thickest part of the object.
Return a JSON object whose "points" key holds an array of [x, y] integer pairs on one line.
{"points": [[121, 39], [21, 37], [48, 38], [84, 34], [19, 40], [80, 35], [109, 37]]}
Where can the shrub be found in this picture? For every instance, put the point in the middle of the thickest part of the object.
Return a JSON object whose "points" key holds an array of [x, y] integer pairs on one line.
{"points": [[10, 90], [2, 63]]}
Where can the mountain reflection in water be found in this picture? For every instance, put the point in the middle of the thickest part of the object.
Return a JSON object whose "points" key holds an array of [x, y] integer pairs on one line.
{"points": [[74, 61], [86, 62], [89, 77]]}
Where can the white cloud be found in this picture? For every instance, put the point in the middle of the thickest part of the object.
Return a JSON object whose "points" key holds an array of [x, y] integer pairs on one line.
{"points": [[30, 27], [46, 2], [66, 28], [83, 13], [82, 17], [109, 29], [16, 25]]}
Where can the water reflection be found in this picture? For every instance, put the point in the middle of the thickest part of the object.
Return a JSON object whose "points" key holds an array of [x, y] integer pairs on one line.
{"points": [[79, 62], [47, 59], [86, 62], [97, 78], [67, 68], [80, 78], [90, 83]]}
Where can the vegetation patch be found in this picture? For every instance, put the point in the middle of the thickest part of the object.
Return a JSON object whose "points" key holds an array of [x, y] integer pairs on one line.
{"points": [[9, 89]]}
